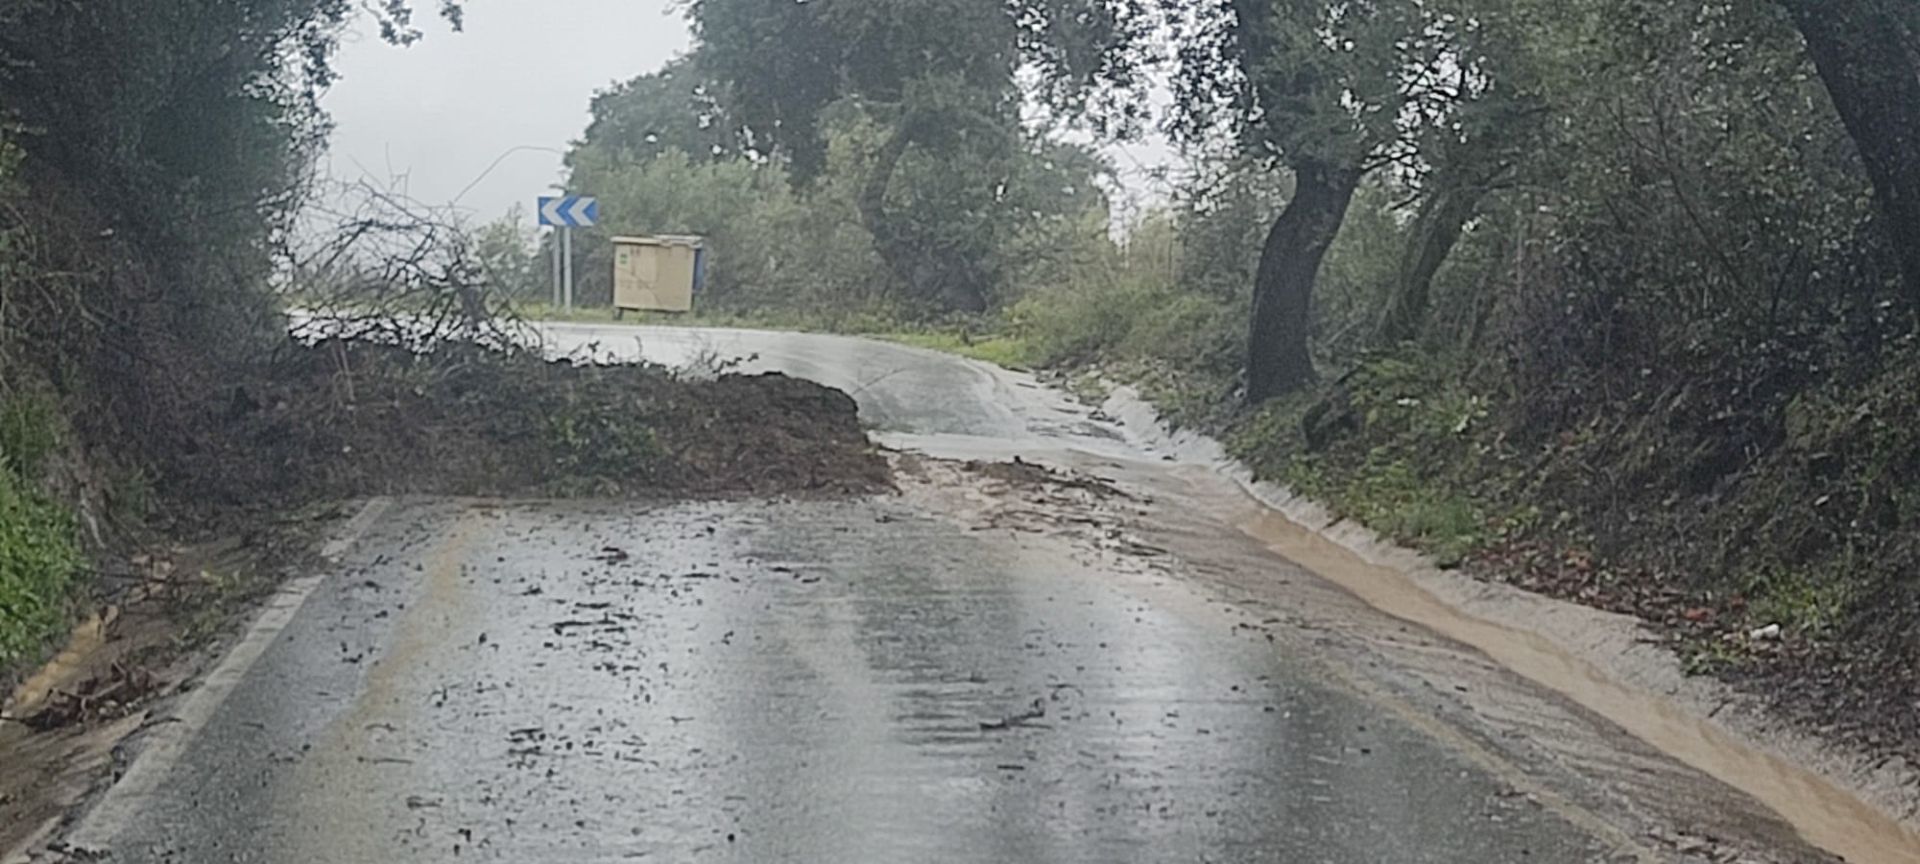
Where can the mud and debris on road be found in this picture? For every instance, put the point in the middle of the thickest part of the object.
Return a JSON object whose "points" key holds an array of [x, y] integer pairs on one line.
{"points": [[954, 694], [349, 419], [342, 419]]}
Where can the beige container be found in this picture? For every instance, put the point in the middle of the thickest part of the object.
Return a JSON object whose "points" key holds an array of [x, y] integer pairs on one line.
{"points": [[656, 274]]}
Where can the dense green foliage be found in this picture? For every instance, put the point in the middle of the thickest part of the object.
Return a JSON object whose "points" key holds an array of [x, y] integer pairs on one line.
{"points": [[161, 155], [1012, 216], [151, 160], [923, 99], [1671, 335]]}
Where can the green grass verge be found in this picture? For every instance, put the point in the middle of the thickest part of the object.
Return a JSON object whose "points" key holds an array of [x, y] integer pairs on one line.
{"points": [[1008, 351]]}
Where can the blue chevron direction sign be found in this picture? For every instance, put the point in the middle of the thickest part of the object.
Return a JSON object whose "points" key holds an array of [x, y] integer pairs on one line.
{"points": [[571, 211]]}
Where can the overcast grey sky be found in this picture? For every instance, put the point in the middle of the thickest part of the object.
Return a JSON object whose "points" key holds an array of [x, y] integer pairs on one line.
{"points": [[438, 113], [434, 116]]}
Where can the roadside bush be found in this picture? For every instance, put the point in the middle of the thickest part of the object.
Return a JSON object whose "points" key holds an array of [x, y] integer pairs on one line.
{"points": [[507, 254], [38, 562], [1392, 445], [29, 431], [1821, 532], [1083, 321], [1131, 301]]}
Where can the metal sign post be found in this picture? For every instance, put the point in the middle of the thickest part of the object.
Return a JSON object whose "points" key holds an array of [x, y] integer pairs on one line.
{"points": [[565, 213], [566, 255], [554, 247]]}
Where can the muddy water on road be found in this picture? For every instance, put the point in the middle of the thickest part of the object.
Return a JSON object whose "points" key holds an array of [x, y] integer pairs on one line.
{"points": [[1825, 815], [861, 681]]}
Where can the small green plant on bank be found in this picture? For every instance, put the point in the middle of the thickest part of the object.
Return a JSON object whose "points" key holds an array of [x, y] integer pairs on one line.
{"points": [[1806, 602], [30, 429], [1709, 656], [599, 441]]}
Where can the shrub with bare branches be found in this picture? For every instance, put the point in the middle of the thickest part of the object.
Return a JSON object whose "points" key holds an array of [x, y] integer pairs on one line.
{"points": [[378, 265]]}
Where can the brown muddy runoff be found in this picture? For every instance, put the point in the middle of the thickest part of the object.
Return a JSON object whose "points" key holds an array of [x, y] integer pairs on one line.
{"points": [[1823, 814]]}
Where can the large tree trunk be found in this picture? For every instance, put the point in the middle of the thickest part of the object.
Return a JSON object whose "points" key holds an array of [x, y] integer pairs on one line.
{"points": [[1278, 360], [1867, 56], [1436, 228]]}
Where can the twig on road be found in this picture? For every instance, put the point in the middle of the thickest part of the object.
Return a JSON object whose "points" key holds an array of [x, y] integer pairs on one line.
{"points": [[1024, 718]]}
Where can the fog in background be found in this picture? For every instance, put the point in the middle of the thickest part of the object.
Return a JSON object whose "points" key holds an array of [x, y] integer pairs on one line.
{"points": [[430, 119]]}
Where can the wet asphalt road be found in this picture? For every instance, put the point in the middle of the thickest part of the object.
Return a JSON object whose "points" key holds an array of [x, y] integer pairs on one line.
{"points": [[856, 681]]}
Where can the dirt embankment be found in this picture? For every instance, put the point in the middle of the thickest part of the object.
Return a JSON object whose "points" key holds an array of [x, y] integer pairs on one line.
{"points": [[344, 419]]}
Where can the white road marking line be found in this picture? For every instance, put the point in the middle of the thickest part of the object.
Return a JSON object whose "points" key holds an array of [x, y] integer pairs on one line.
{"points": [[164, 744]]}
